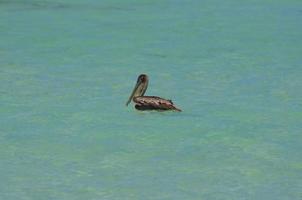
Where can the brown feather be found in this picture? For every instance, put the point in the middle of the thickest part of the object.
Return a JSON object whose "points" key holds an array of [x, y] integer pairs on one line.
{"points": [[153, 103]]}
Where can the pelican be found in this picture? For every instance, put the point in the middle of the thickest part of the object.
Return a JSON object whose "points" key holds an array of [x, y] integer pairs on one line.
{"points": [[148, 102]]}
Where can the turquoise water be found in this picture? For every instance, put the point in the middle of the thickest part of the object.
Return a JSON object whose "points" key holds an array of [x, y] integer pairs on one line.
{"points": [[67, 69]]}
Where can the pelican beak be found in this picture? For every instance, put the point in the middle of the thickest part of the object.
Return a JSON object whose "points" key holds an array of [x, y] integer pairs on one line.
{"points": [[134, 91]]}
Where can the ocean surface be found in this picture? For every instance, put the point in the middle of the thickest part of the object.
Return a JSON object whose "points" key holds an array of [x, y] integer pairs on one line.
{"points": [[67, 69]]}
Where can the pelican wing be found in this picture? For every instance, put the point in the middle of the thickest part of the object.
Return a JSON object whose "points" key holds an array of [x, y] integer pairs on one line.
{"points": [[154, 103]]}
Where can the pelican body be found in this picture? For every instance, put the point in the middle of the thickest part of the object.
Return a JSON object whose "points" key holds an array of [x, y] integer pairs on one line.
{"points": [[148, 102]]}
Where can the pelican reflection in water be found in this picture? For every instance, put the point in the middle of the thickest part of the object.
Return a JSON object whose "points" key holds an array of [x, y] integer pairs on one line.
{"points": [[148, 102]]}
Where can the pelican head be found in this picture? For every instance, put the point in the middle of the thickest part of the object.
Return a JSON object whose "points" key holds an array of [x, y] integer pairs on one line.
{"points": [[140, 87]]}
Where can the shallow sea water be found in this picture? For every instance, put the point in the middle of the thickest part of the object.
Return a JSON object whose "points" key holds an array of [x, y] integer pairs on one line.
{"points": [[68, 67]]}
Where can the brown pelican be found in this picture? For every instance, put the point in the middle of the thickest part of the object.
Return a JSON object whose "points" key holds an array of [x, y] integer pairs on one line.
{"points": [[148, 102]]}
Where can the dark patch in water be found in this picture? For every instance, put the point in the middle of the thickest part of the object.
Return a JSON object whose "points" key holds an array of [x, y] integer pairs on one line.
{"points": [[24, 5], [156, 55], [46, 5]]}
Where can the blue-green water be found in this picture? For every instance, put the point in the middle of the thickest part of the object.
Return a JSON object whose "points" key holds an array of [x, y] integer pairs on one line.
{"points": [[68, 67]]}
